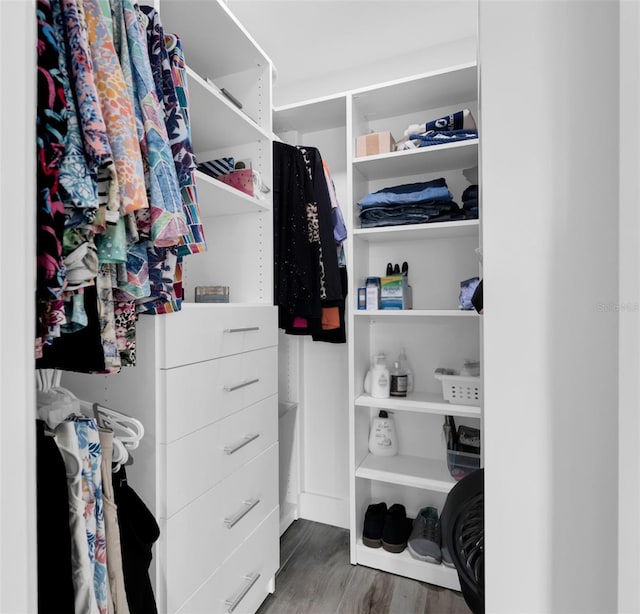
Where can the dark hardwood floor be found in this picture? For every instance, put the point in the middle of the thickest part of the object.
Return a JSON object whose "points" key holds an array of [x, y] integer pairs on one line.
{"points": [[316, 577]]}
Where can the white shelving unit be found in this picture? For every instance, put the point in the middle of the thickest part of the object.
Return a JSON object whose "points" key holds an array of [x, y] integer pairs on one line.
{"points": [[433, 334]]}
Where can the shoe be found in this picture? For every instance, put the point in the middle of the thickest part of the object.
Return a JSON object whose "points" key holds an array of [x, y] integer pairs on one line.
{"points": [[373, 524], [424, 541], [396, 530]]}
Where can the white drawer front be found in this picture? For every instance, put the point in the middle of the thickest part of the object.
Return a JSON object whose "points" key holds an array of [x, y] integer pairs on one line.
{"points": [[243, 579], [204, 533], [202, 332], [200, 460], [198, 395]]}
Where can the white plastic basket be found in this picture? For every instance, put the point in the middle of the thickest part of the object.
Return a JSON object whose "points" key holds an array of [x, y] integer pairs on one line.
{"points": [[461, 389]]}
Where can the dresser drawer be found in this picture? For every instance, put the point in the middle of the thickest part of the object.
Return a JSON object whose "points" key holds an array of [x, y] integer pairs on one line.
{"points": [[243, 580], [204, 533], [202, 332], [198, 395], [198, 461]]}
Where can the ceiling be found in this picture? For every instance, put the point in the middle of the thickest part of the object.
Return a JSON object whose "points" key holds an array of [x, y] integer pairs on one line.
{"points": [[313, 38]]}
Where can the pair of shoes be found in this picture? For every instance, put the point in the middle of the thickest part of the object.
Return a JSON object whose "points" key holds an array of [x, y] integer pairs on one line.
{"points": [[424, 541], [389, 528]]}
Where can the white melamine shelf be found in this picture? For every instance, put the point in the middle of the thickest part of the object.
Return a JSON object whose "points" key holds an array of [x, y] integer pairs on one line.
{"points": [[411, 232], [413, 471], [311, 115], [217, 198], [432, 159], [414, 313], [420, 402], [220, 123], [403, 564], [231, 50], [449, 87]]}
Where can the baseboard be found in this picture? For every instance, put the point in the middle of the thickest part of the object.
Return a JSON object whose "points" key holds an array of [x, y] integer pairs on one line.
{"points": [[321, 508]]}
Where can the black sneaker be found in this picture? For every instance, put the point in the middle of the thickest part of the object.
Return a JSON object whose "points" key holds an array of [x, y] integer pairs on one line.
{"points": [[373, 524], [424, 541], [396, 530]]}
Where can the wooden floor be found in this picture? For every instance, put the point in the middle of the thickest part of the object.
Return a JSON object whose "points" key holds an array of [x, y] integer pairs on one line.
{"points": [[316, 577]]}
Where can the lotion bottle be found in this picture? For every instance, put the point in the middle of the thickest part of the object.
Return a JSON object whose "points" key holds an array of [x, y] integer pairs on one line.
{"points": [[382, 436], [380, 379]]}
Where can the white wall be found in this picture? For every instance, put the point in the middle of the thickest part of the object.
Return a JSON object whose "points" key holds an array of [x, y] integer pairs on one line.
{"points": [[395, 66], [629, 363], [549, 147], [17, 272]]}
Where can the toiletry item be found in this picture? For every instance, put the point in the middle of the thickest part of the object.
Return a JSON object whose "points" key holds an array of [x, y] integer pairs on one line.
{"points": [[398, 386], [362, 298], [382, 436], [380, 380], [373, 293], [406, 368]]}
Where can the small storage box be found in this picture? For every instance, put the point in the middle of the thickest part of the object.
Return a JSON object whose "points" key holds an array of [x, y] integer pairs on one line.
{"points": [[376, 143], [461, 389], [462, 463], [212, 294]]}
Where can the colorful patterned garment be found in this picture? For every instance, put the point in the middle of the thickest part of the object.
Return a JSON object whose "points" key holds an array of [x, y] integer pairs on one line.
{"points": [[78, 187], [51, 129], [168, 223], [106, 314], [90, 457], [196, 242], [117, 112], [176, 121]]}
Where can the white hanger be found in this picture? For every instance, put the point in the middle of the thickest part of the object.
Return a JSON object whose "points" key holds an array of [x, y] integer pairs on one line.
{"points": [[128, 430]]}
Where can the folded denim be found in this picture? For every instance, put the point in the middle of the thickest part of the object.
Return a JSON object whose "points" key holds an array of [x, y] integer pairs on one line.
{"points": [[408, 214], [437, 137], [408, 194]]}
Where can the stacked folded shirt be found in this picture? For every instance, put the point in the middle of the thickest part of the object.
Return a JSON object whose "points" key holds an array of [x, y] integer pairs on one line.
{"points": [[413, 203], [458, 126], [470, 200]]}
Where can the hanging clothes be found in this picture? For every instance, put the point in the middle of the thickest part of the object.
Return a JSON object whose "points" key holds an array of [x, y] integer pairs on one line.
{"points": [[138, 532], [309, 289], [55, 586]]}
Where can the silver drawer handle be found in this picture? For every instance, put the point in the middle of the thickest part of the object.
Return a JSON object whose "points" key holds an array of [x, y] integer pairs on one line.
{"points": [[248, 506], [240, 444], [241, 330], [237, 386], [233, 603]]}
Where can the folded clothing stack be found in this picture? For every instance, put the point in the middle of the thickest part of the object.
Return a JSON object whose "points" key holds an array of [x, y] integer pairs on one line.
{"points": [[470, 200], [458, 126], [412, 203]]}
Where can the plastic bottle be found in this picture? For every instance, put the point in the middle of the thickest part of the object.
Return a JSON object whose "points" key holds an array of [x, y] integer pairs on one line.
{"points": [[382, 437], [380, 380], [399, 378], [405, 368]]}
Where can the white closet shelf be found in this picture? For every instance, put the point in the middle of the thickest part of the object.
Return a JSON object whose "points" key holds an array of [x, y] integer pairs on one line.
{"points": [[230, 50], [420, 402], [450, 87], [413, 471], [432, 159], [414, 313], [413, 232], [220, 123], [404, 564], [311, 115], [217, 198]]}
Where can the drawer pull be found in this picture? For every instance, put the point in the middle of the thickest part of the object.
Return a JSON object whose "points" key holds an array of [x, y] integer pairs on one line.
{"points": [[246, 329], [240, 444], [250, 581], [238, 386], [248, 506]]}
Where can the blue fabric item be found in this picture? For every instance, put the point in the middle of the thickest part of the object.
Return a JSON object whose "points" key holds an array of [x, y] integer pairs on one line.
{"points": [[467, 288], [339, 227], [409, 193], [471, 192], [428, 211], [455, 121], [438, 137]]}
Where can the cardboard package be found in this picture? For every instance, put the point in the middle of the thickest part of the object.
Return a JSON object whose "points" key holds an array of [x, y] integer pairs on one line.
{"points": [[376, 143], [395, 292]]}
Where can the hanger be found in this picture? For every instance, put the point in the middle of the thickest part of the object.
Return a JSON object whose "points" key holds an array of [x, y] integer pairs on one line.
{"points": [[128, 430]]}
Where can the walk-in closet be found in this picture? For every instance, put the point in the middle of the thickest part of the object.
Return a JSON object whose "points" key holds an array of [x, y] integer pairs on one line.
{"points": [[287, 285]]}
